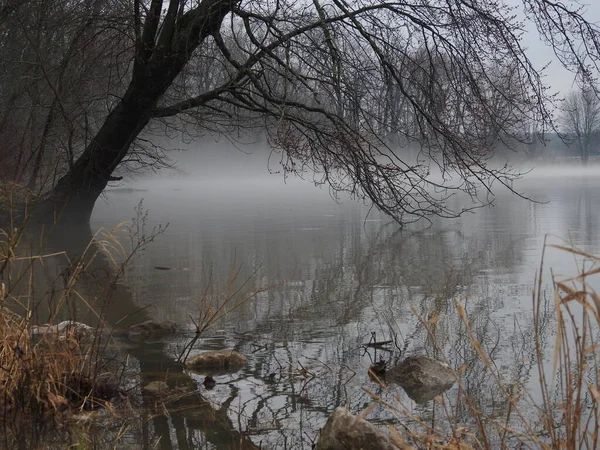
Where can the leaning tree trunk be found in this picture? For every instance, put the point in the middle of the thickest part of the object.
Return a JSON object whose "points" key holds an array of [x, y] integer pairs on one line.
{"points": [[163, 48], [75, 194]]}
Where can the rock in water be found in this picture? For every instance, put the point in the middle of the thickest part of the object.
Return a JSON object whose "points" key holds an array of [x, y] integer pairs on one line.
{"points": [[421, 377], [421, 371], [227, 361], [343, 431], [209, 382], [151, 330]]}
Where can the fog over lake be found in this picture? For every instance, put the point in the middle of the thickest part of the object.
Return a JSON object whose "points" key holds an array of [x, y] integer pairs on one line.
{"points": [[331, 274], [300, 225]]}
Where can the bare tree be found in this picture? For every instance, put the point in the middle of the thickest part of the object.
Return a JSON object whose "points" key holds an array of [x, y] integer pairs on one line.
{"points": [[59, 65], [452, 75], [580, 120], [534, 144]]}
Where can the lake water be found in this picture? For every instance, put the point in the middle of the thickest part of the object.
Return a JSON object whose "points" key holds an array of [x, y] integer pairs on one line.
{"points": [[329, 275]]}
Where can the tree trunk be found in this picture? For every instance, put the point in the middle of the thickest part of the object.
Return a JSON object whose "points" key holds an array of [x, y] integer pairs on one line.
{"points": [[585, 146], [75, 193], [161, 54]]}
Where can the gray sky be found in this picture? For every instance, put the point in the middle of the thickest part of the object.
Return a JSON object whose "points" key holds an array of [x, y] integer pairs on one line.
{"points": [[540, 54]]}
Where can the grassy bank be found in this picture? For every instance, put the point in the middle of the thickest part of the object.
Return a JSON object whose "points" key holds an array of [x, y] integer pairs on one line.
{"points": [[66, 384], [53, 368]]}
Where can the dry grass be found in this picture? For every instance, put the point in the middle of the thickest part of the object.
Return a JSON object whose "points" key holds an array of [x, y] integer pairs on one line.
{"points": [[557, 409], [49, 380], [215, 309], [47, 377]]}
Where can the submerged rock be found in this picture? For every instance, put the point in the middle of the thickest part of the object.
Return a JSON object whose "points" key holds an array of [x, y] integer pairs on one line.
{"points": [[209, 382], [156, 388], [422, 378], [152, 330], [421, 371], [344, 431], [422, 395], [216, 362]]}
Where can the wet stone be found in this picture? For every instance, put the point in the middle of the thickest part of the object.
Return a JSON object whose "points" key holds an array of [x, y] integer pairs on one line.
{"points": [[152, 330], [216, 362], [344, 431], [421, 377]]}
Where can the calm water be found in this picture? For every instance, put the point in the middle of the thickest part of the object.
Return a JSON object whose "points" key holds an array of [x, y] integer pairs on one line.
{"points": [[331, 275]]}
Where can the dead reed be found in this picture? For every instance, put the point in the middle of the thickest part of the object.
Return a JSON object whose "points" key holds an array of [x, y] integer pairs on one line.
{"points": [[50, 373], [557, 408]]}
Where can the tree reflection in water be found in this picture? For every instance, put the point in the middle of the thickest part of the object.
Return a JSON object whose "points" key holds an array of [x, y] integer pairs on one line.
{"points": [[303, 336]]}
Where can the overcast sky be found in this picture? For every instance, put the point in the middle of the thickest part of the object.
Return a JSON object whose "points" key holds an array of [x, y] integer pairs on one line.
{"points": [[540, 54]]}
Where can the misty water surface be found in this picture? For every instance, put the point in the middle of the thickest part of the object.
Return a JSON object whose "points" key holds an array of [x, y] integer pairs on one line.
{"points": [[335, 273]]}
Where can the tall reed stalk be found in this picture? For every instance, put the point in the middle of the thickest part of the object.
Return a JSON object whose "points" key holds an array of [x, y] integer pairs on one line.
{"points": [[556, 409]]}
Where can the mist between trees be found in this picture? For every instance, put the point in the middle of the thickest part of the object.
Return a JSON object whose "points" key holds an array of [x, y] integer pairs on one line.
{"points": [[580, 120], [339, 88]]}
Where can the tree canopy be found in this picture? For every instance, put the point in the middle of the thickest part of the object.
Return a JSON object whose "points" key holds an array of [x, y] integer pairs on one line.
{"points": [[341, 88]]}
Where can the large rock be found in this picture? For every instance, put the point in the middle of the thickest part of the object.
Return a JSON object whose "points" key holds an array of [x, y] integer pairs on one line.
{"points": [[216, 362], [152, 330], [422, 378], [343, 431]]}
